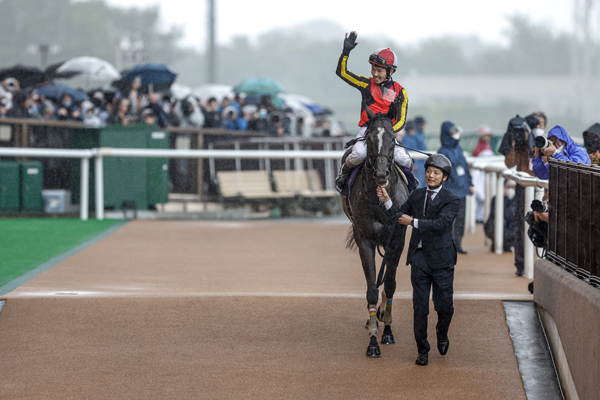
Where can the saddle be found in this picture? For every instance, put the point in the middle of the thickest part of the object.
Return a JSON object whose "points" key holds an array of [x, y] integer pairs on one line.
{"points": [[405, 174]]}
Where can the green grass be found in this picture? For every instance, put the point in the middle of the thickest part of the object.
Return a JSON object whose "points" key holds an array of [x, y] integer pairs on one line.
{"points": [[27, 243]]}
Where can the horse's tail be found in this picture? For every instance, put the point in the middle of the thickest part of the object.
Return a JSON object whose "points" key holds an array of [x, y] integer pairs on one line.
{"points": [[350, 242]]}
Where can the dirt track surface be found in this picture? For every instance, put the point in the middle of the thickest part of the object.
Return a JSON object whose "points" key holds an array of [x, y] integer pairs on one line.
{"points": [[245, 310]]}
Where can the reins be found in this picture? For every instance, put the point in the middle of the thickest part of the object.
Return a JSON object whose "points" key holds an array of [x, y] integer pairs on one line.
{"points": [[391, 248]]}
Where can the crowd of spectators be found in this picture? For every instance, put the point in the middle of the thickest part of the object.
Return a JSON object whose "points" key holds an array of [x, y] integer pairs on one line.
{"points": [[136, 104], [527, 145]]}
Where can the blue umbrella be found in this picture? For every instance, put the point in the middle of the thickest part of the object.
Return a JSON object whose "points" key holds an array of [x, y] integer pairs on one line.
{"points": [[57, 91], [317, 109], [259, 87], [151, 74]]}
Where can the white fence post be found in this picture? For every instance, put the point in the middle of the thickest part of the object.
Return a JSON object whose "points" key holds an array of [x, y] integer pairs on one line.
{"points": [[99, 177], [529, 248], [539, 193], [84, 189], [499, 215], [472, 213]]}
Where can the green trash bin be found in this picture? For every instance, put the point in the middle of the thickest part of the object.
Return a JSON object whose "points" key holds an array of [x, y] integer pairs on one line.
{"points": [[157, 169], [32, 183], [124, 177], [10, 187]]}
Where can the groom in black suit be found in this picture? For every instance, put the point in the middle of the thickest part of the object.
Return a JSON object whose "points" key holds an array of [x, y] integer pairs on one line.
{"points": [[431, 253]]}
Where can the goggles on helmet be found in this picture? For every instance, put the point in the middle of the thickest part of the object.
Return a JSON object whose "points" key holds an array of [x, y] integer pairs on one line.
{"points": [[377, 59]]}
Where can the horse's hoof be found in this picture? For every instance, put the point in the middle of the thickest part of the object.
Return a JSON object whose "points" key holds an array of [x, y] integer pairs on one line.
{"points": [[373, 352], [387, 339]]}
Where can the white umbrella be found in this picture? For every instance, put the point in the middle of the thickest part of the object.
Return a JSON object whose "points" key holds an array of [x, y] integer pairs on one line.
{"points": [[218, 91], [91, 67], [180, 91]]}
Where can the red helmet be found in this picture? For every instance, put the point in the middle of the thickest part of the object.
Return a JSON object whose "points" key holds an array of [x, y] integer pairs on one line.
{"points": [[384, 58]]}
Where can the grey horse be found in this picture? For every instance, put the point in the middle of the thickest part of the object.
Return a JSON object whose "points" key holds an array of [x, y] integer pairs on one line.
{"points": [[371, 226]]}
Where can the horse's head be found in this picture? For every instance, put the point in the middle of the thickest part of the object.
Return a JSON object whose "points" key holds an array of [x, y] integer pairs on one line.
{"points": [[380, 148]]}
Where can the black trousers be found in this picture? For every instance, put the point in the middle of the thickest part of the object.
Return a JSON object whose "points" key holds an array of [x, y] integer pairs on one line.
{"points": [[423, 278], [520, 228], [458, 228]]}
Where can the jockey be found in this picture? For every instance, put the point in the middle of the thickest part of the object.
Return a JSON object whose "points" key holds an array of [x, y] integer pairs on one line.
{"points": [[381, 94]]}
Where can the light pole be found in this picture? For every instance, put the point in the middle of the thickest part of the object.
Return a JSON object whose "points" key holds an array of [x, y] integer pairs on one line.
{"points": [[211, 52]]}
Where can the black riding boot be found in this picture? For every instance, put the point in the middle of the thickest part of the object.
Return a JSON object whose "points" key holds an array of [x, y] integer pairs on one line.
{"points": [[342, 178]]}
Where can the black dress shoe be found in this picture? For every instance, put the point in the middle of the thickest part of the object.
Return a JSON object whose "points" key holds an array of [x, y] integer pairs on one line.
{"points": [[443, 346], [461, 251], [422, 359]]}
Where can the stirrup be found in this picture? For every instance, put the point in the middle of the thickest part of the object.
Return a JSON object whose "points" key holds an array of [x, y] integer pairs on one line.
{"points": [[341, 181]]}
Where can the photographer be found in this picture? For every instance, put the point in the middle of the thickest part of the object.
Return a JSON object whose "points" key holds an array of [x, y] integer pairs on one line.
{"points": [[591, 138], [517, 147], [538, 223], [560, 146]]}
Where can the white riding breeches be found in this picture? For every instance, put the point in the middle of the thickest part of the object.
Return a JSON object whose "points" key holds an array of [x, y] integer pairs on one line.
{"points": [[359, 153]]}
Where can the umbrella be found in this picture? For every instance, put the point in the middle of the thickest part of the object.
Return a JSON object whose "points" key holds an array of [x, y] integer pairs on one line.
{"points": [[91, 67], [259, 87], [52, 74], [205, 92], [180, 91], [57, 91], [151, 74], [295, 100], [27, 76]]}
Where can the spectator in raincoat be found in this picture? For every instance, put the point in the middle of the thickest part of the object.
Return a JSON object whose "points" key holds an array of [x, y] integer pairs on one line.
{"points": [[67, 110], [509, 217], [561, 147], [591, 138], [20, 108], [482, 149], [460, 182], [414, 140]]}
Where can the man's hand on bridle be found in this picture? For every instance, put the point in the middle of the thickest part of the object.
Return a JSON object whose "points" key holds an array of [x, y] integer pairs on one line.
{"points": [[383, 194]]}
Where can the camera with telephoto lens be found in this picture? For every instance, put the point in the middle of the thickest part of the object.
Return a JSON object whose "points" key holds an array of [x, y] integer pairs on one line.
{"points": [[541, 142], [539, 206], [538, 230], [519, 130]]}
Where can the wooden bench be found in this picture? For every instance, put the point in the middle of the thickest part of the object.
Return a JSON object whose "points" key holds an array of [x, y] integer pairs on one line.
{"points": [[303, 183], [247, 184]]}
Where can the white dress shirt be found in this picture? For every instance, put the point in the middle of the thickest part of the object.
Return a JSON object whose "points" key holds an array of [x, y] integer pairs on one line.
{"points": [[388, 205]]}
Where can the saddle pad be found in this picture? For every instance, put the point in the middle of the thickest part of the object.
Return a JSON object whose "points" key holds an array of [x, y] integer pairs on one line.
{"points": [[346, 191]]}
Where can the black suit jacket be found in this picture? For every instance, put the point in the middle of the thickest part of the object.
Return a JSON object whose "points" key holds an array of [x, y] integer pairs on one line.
{"points": [[435, 227]]}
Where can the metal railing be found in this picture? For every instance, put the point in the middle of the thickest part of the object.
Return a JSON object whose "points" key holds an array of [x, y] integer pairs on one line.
{"points": [[574, 224]]}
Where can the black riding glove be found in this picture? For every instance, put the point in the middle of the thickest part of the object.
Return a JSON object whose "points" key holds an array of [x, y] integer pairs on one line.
{"points": [[349, 44]]}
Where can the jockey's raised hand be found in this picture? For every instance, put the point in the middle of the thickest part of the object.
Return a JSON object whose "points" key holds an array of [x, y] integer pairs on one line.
{"points": [[350, 43]]}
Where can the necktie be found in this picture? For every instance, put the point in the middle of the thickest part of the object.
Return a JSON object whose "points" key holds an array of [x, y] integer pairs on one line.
{"points": [[429, 200]]}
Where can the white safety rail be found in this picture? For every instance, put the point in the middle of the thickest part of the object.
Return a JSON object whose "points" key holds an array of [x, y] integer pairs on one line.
{"points": [[534, 188], [496, 171], [99, 153], [493, 166], [84, 155]]}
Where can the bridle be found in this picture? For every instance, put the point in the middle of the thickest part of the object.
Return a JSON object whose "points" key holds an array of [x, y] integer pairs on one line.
{"points": [[369, 167]]}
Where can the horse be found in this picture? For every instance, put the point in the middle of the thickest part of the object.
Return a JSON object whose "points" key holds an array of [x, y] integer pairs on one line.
{"points": [[369, 220]]}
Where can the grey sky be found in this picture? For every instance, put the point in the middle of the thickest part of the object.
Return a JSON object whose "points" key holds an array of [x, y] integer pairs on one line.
{"points": [[404, 21]]}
